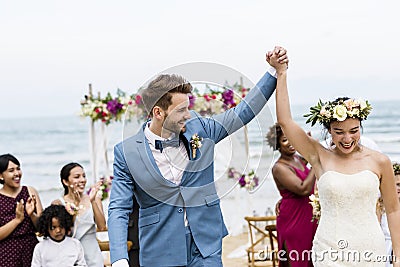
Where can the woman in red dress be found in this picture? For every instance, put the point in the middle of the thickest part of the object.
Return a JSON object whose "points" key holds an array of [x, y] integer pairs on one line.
{"points": [[295, 182], [20, 209]]}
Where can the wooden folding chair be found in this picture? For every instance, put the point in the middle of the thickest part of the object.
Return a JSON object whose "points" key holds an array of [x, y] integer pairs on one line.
{"points": [[258, 235], [105, 244], [273, 242]]}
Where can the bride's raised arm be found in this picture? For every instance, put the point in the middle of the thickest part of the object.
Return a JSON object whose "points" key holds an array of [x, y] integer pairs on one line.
{"points": [[304, 144]]}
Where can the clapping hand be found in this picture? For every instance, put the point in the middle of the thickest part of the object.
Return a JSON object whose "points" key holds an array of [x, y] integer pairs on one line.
{"points": [[76, 195], [19, 211], [94, 190], [30, 205]]}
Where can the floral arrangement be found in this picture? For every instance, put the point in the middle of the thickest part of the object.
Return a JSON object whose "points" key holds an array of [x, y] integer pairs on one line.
{"points": [[195, 143], [314, 201], [112, 109], [216, 100], [72, 208], [396, 168], [105, 188], [249, 181], [338, 110]]}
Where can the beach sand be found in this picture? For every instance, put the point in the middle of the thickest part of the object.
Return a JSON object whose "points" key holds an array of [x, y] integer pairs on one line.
{"points": [[233, 252]]}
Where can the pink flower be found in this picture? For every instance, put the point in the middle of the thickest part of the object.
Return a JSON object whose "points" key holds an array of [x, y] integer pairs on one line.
{"points": [[138, 99]]}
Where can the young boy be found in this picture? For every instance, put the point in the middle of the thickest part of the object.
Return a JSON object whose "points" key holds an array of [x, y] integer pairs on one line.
{"points": [[57, 249]]}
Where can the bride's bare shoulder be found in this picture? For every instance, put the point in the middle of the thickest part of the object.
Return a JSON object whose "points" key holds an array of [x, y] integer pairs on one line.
{"points": [[375, 154]]}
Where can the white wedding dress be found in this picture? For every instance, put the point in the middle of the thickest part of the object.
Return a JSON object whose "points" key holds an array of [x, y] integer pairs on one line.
{"points": [[348, 233]]}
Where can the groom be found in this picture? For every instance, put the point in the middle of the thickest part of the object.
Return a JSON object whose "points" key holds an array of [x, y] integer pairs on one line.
{"points": [[168, 166]]}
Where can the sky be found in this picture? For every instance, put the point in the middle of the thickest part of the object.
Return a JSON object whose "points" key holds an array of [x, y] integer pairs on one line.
{"points": [[52, 50]]}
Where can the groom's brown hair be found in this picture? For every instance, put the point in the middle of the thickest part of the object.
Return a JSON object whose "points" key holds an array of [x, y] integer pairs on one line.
{"points": [[159, 91]]}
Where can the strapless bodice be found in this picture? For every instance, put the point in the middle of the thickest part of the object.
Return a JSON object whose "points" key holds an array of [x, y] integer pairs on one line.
{"points": [[352, 196], [348, 222]]}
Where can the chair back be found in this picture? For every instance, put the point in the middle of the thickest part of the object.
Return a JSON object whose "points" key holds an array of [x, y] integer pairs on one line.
{"points": [[262, 236]]}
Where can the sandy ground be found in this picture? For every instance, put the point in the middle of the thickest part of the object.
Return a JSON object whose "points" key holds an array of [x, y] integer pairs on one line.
{"points": [[233, 252]]}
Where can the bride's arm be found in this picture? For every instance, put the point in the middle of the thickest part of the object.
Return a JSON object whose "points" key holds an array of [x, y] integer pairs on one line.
{"points": [[392, 206], [303, 143]]}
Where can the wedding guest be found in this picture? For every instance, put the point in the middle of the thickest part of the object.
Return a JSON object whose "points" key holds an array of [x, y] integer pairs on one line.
{"points": [[382, 216], [20, 208], [350, 177], [86, 209], [180, 220], [57, 248], [295, 182]]}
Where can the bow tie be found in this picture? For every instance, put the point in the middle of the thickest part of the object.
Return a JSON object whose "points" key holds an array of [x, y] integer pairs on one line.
{"points": [[160, 145]]}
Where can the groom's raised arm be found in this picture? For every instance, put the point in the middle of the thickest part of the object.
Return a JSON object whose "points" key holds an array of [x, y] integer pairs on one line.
{"points": [[226, 123], [219, 126]]}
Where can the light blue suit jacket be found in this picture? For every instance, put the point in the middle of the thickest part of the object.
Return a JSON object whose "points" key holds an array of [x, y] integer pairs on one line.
{"points": [[162, 203]]}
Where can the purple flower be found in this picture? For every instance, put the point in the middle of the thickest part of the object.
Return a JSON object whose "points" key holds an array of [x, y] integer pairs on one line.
{"points": [[228, 98], [192, 99], [114, 106], [255, 179], [231, 173], [242, 181]]}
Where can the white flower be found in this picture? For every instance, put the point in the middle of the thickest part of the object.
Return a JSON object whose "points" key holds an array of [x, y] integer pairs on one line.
{"points": [[354, 112], [340, 112], [362, 103]]}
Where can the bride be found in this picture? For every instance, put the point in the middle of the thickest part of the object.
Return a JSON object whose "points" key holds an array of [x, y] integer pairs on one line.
{"points": [[349, 178]]}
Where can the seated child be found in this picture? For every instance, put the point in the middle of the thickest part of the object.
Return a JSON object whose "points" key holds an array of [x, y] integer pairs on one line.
{"points": [[57, 249]]}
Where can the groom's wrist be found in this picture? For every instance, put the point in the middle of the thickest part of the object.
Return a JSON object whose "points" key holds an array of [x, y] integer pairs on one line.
{"points": [[272, 71]]}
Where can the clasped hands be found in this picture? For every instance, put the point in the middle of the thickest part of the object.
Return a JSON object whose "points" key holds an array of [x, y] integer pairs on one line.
{"points": [[278, 58]]}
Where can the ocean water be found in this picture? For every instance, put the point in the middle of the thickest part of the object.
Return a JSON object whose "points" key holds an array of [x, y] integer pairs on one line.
{"points": [[44, 145]]}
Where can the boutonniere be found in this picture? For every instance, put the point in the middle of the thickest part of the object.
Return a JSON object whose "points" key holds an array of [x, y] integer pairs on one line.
{"points": [[195, 143]]}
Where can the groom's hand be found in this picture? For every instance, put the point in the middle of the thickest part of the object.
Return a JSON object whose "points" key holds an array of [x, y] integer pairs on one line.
{"points": [[278, 58]]}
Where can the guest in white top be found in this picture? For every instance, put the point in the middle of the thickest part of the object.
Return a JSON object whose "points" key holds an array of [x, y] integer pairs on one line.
{"points": [[382, 216], [57, 249]]}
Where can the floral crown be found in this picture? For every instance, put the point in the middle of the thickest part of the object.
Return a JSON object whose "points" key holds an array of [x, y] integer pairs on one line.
{"points": [[396, 168], [338, 110]]}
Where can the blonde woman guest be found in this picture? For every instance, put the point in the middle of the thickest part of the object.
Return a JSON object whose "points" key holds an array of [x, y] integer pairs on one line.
{"points": [[350, 177], [87, 210], [382, 216], [20, 209]]}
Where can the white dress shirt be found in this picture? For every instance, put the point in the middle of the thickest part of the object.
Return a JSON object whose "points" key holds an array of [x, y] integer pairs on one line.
{"points": [[172, 161]]}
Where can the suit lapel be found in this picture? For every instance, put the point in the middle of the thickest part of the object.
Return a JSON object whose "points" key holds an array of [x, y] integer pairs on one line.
{"points": [[147, 158]]}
